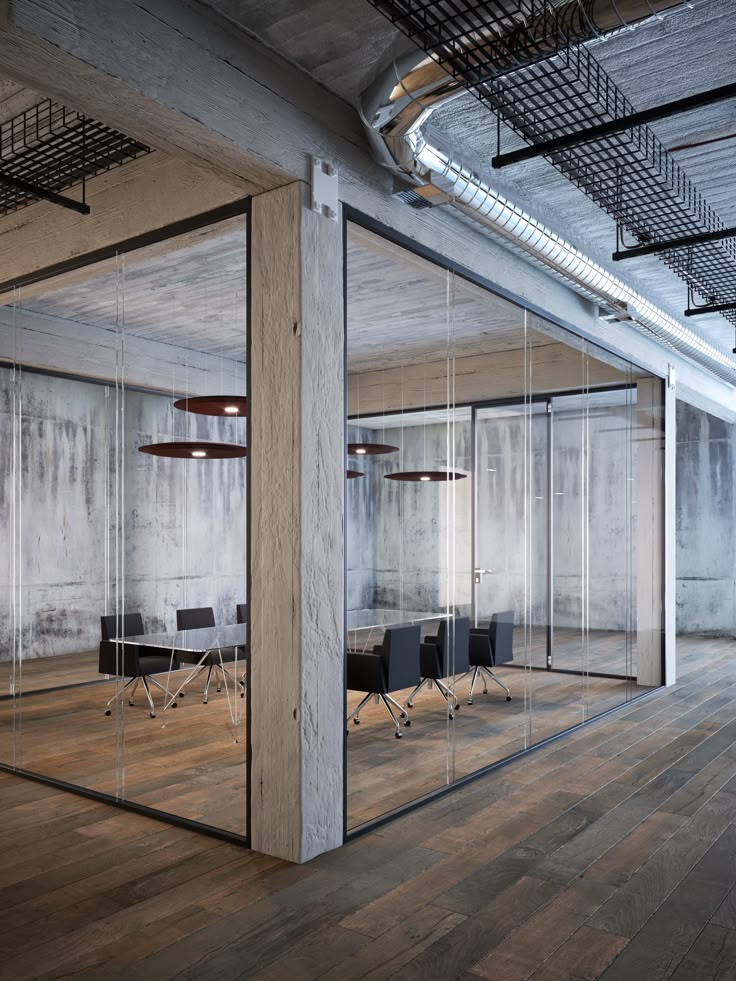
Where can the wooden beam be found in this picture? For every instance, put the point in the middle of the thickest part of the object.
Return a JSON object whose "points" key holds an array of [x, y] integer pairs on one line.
{"points": [[54, 344], [296, 485], [475, 379], [143, 196]]}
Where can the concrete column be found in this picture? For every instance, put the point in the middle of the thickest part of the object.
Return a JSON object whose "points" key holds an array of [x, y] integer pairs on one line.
{"points": [[296, 480]]}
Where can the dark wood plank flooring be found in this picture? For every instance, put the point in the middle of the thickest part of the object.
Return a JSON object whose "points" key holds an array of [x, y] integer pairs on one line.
{"points": [[609, 853]]}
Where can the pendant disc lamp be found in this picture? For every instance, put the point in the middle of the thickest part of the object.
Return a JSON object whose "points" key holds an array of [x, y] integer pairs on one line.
{"points": [[352, 474], [214, 405], [425, 476], [188, 450], [370, 449]]}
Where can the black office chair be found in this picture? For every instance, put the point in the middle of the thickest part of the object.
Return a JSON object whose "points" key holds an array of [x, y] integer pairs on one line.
{"points": [[241, 610], [204, 616], [489, 647], [443, 656], [390, 666], [130, 660]]}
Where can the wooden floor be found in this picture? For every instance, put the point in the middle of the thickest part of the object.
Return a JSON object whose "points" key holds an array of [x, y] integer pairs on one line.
{"points": [[610, 853], [172, 762]]}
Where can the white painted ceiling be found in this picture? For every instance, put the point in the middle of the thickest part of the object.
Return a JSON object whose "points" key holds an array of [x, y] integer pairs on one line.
{"points": [[345, 43]]}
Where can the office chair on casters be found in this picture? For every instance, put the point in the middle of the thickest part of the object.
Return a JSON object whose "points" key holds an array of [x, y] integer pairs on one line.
{"points": [[130, 660], [204, 616], [444, 655], [490, 647], [390, 666]]}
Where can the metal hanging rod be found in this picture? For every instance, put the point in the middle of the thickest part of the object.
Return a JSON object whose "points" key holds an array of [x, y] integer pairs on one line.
{"points": [[683, 242], [42, 194], [710, 308], [629, 121]]}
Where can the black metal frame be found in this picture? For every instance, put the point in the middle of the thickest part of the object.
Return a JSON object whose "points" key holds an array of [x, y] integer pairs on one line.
{"points": [[613, 126], [172, 230], [542, 87], [354, 216], [49, 148], [666, 245]]}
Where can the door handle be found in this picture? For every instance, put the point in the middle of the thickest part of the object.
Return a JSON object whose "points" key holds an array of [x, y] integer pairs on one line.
{"points": [[479, 573]]}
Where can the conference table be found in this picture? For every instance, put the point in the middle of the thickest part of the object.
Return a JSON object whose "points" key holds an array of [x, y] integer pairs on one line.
{"points": [[195, 647], [366, 627]]}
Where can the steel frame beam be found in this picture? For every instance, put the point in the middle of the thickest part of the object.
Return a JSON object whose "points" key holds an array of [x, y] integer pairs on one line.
{"points": [[614, 126], [684, 242], [710, 308], [39, 192]]}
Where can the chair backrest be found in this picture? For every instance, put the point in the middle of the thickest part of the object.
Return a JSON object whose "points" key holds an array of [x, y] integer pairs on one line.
{"points": [[453, 642], [194, 618], [400, 653], [501, 636], [121, 625], [242, 612]]}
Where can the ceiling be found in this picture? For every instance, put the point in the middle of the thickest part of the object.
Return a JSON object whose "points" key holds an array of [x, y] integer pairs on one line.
{"points": [[189, 292], [344, 43]]}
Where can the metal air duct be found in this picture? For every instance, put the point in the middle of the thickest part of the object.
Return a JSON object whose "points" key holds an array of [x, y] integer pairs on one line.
{"points": [[397, 108]]}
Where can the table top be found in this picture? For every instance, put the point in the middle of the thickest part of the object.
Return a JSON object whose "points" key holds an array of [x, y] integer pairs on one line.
{"points": [[371, 619], [197, 641]]}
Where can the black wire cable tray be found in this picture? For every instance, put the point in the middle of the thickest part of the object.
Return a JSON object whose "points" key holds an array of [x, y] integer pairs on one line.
{"points": [[50, 148], [543, 89]]}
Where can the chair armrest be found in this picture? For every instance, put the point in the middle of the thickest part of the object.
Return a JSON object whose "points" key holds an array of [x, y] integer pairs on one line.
{"points": [[365, 672]]}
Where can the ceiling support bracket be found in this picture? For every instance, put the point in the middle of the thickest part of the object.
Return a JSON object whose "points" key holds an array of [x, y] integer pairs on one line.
{"points": [[26, 187], [324, 188], [613, 126], [667, 245], [698, 310]]}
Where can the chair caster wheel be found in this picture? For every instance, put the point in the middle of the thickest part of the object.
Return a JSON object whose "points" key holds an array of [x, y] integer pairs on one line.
{"points": [[508, 698], [450, 715], [152, 714], [205, 701], [485, 691], [173, 705], [398, 735], [410, 704], [181, 694], [470, 701], [107, 711], [131, 702], [408, 722], [356, 722]]}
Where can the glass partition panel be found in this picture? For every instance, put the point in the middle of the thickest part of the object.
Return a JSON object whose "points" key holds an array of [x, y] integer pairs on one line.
{"points": [[107, 540], [532, 564]]}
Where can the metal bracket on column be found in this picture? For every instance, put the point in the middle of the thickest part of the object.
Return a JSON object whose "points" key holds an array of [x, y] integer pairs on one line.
{"points": [[671, 376], [324, 188]]}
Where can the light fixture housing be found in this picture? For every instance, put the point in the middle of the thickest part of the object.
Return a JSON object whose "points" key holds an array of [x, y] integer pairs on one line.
{"points": [[187, 450], [232, 406], [425, 476], [370, 449]]}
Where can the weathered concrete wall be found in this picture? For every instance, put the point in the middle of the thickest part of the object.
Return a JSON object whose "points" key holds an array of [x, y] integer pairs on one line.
{"points": [[410, 554], [706, 518], [403, 526], [183, 522]]}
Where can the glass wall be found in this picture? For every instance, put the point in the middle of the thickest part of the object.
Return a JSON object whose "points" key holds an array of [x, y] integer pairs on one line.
{"points": [[124, 481], [501, 587]]}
